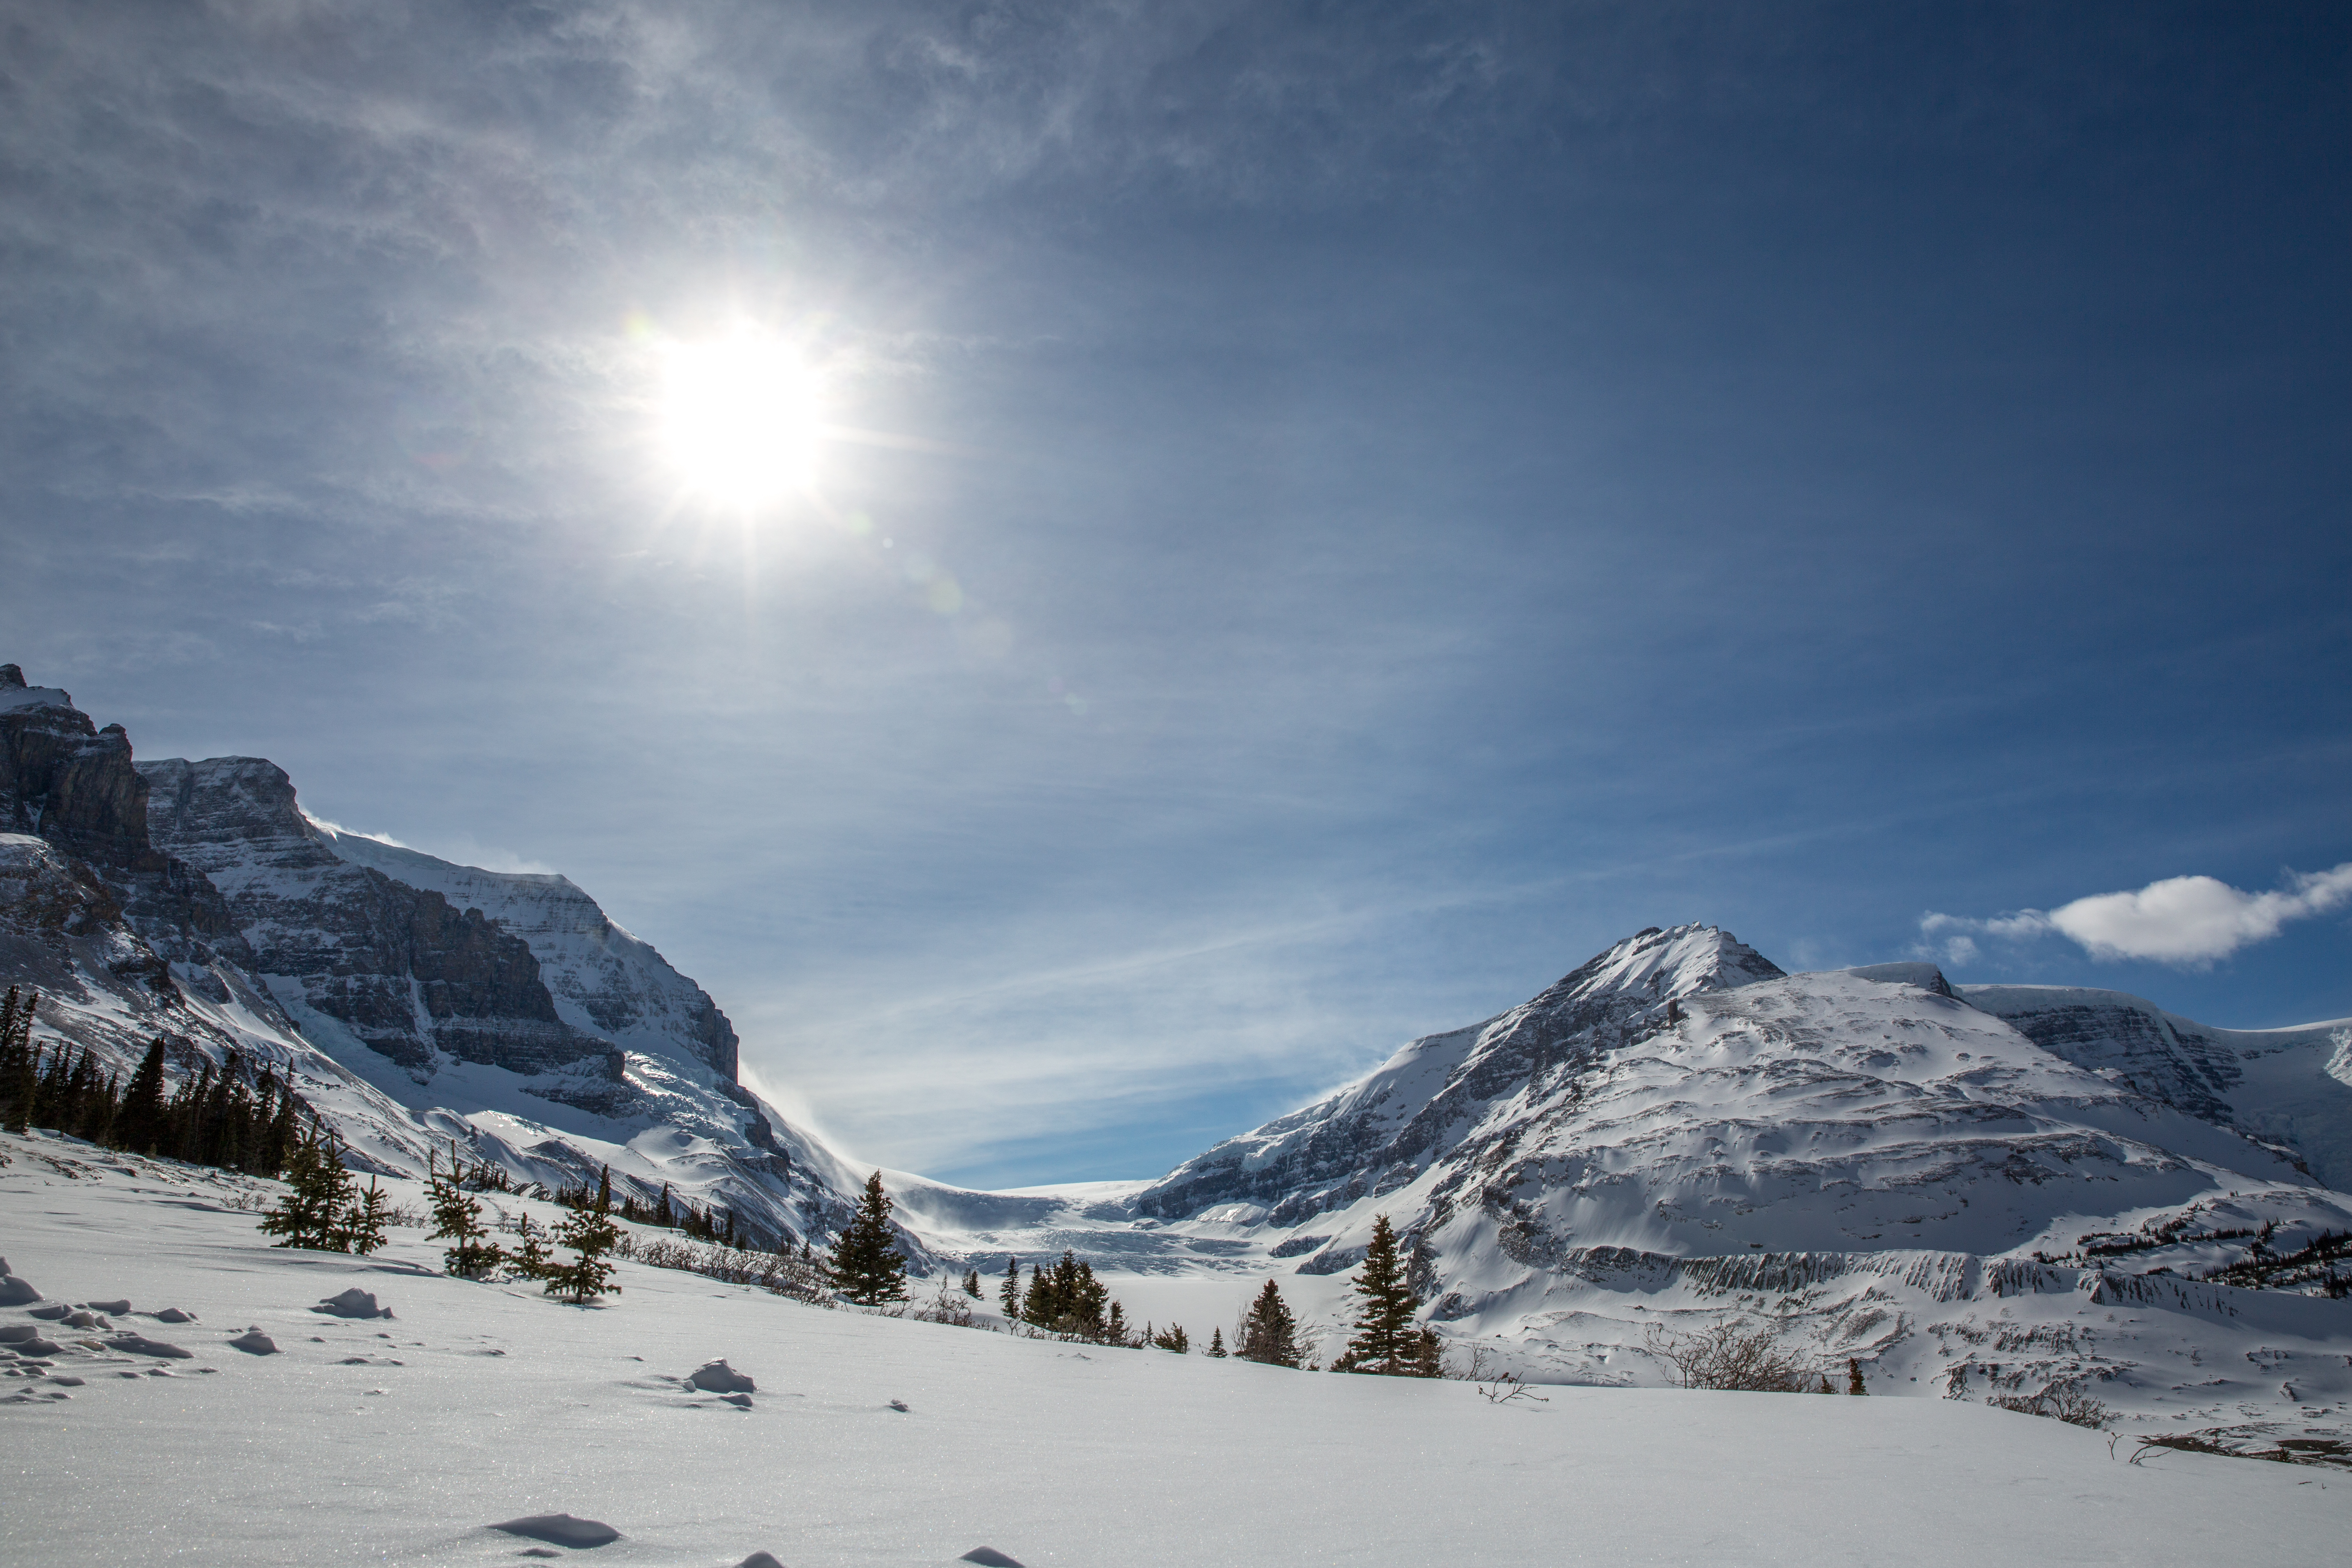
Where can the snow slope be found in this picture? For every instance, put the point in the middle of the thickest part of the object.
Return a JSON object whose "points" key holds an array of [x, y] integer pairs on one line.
{"points": [[399, 1440]]}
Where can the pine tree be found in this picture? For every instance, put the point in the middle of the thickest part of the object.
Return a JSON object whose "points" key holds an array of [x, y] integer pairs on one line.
{"points": [[458, 1219], [312, 1212], [1216, 1343], [528, 1261], [1009, 1297], [1269, 1334], [364, 1222], [1172, 1338], [285, 1132], [1853, 1384], [867, 1266], [139, 1126], [972, 1284], [590, 1234], [19, 1079], [1039, 1307], [1428, 1354], [1384, 1340]]}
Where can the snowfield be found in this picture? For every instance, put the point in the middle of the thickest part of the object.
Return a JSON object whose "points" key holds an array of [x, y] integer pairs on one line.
{"points": [[403, 1439]]}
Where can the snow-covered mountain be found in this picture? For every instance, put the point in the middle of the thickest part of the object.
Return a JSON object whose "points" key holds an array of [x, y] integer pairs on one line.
{"points": [[1678, 1130], [414, 1000], [1998, 1189]]}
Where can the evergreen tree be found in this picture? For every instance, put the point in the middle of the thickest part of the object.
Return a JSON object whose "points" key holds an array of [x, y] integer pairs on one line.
{"points": [[1269, 1334], [458, 1219], [530, 1259], [1853, 1384], [867, 1266], [972, 1284], [1216, 1343], [20, 1067], [1009, 1297], [139, 1126], [1384, 1341], [1172, 1338], [312, 1212], [285, 1132], [364, 1222], [1038, 1306], [590, 1234], [1428, 1354], [187, 1113]]}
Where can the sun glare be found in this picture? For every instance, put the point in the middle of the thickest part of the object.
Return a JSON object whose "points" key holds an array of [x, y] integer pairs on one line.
{"points": [[739, 414]]}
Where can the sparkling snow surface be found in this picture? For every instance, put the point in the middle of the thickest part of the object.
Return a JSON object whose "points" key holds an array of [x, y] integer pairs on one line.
{"points": [[404, 1440]]}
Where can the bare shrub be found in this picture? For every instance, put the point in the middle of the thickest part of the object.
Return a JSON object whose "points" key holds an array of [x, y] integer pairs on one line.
{"points": [[952, 1306], [779, 1273], [2059, 1402], [1496, 1383], [1729, 1354]]}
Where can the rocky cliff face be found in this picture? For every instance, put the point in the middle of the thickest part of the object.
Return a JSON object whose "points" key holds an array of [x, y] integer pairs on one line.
{"points": [[410, 977], [603, 979], [2290, 1087], [62, 778]]}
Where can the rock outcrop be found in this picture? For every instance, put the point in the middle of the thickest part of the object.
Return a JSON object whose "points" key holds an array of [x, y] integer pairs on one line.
{"points": [[409, 975]]}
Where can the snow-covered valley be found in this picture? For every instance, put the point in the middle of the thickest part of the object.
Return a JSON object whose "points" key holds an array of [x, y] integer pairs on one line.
{"points": [[403, 1439], [1964, 1195]]}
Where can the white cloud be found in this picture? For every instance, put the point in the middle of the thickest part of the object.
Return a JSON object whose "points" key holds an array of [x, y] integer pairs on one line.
{"points": [[2187, 921]]}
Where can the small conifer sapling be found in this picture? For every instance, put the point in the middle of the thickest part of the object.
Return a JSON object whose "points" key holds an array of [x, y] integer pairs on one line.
{"points": [[590, 1234], [365, 1221]]}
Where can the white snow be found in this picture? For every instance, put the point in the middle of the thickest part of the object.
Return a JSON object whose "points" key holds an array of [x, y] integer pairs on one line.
{"points": [[13, 697], [409, 1441]]}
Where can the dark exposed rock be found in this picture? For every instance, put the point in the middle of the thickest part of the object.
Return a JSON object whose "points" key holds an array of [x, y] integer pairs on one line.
{"points": [[409, 975]]}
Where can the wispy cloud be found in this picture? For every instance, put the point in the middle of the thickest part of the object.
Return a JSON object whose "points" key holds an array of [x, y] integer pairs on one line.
{"points": [[2190, 921]]}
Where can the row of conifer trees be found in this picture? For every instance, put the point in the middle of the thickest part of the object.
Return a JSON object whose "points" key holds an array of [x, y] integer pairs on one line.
{"points": [[227, 1116], [1066, 1299]]}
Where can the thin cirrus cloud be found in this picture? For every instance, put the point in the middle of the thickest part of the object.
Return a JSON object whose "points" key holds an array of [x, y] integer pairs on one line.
{"points": [[2188, 921]]}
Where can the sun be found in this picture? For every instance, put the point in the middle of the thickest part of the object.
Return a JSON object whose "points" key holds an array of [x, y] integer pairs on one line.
{"points": [[740, 417]]}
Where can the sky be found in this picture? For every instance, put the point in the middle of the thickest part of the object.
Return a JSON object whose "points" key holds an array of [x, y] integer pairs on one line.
{"points": [[1269, 529]]}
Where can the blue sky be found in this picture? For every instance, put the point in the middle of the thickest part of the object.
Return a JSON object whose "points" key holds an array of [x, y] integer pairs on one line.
{"points": [[1335, 513]]}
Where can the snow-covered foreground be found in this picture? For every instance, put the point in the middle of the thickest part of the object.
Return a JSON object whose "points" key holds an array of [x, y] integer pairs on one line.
{"points": [[401, 1440]]}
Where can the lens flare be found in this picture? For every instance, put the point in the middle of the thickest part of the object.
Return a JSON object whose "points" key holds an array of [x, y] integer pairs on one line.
{"points": [[740, 417]]}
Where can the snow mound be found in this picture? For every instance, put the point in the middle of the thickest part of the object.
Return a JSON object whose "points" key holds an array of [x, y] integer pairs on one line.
{"points": [[174, 1315], [117, 1309], [15, 1292], [990, 1557], [253, 1341], [717, 1377], [560, 1530], [353, 1304], [759, 1559]]}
